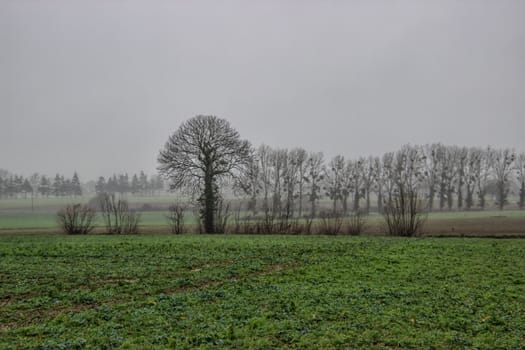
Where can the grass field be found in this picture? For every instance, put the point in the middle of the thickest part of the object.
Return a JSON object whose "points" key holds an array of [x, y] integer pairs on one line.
{"points": [[16, 216], [476, 223], [261, 292]]}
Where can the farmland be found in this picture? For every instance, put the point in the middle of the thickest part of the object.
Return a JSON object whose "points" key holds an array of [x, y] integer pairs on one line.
{"points": [[165, 291], [17, 216]]}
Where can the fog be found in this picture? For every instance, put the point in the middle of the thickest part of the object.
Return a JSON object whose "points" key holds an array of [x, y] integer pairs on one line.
{"points": [[98, 86]]}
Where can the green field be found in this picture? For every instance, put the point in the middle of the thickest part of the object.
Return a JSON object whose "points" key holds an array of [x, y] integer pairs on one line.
{"points": [[47, 220], [19, 221], [260, 292], [17, 216]]}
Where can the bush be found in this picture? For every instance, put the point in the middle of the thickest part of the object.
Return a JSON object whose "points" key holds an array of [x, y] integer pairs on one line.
{"points": [[76, 219], [330, 223], [268, 224], [404, 214], [355, 224], [118, 217], [175, 218]]}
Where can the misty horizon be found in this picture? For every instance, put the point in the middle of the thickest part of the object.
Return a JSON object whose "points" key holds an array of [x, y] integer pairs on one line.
{"points": [[98, 87]]}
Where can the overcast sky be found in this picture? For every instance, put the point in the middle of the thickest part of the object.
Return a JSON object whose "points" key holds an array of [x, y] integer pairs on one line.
{"points": [[98, 86]]}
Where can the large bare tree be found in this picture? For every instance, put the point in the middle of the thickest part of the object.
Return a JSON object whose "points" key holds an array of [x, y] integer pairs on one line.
{"points": [[202, 151]]}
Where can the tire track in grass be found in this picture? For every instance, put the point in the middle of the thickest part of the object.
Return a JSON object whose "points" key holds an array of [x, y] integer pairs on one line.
{"points": [[35, 316]]}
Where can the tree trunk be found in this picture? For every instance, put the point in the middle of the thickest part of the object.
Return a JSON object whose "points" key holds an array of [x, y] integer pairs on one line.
{"points": [[501, 195], [367, 202], [344, 203], [356, 200], [442, 196], [209, 204], [300, 199], [469, 201], [431, 196], [450, 191], [379, 202], [521, 202], [460, 196]]}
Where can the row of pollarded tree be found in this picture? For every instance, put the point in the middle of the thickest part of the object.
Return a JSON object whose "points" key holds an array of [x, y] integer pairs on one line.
{"points": [[291, 182], [206, 153]]}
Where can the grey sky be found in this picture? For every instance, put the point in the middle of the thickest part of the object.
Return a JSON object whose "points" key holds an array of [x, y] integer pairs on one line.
{"points": [[97, 86]]}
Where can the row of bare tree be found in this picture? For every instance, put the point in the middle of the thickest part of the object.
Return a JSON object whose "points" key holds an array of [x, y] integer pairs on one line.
{"points": [[291, 182]]}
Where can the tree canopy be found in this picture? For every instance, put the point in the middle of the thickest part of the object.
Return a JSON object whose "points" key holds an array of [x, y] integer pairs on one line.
{"points": [[203, 150]]}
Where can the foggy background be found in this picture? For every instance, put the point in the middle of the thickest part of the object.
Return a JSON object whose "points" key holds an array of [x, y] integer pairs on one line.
{"points": [[98, 86]]}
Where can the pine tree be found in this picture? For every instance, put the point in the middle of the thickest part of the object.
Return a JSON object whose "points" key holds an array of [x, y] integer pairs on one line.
{"points": [[135, 186], [26, 188], [45, 186], [75, 184], [57, 186], [100, 187]]}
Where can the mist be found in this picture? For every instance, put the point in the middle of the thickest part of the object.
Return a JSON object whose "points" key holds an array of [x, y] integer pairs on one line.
{"points": [[97, 87]]}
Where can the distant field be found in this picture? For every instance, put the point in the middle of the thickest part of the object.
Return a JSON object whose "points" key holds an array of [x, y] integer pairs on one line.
{"points": [[51, 203], [16, 216], [454, 223], [261, 292], [48, 220]]}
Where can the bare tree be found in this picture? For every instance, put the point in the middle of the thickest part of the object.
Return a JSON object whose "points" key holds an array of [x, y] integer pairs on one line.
{"points": [[472, 166], [203, 150], [461, 159], [175, 218], [447, 176], [357, 177], [483, 174], [347, 184], [387, 179], [369, 174], [378, 184], [330, 223], [403, 213], [433, 159], [279, 159], [250, 183], [293, 181], [503, 164], [333, 181], [520, 172], [76, 219], [118, 217], [264, 155], [314, 177]]}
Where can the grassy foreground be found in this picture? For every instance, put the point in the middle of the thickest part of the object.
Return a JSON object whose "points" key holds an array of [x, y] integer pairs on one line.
{"points": [[261, 292]]}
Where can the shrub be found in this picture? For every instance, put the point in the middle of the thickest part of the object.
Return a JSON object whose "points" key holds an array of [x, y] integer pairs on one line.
{"points": [[404, 214], [76, 219], [355, 224], [118, 217], [330, 223], [175, 218]]}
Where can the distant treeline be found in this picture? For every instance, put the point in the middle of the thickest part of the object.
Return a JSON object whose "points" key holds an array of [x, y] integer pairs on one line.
{"points": [[138, 184], [36, 185], [16, 186]]}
